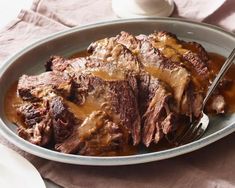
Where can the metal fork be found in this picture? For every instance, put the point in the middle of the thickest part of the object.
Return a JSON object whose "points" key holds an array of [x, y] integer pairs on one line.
{"points": [[199, 127]]}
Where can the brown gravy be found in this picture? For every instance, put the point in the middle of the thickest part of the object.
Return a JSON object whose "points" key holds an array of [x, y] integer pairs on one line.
{"points": [[229, 90], [110, 76], [83, 110], [10, 104], [12, 100], [83, 53]]}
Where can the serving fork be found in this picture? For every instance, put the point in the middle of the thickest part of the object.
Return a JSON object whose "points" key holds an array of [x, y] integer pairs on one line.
{"points": [[197, 128]]}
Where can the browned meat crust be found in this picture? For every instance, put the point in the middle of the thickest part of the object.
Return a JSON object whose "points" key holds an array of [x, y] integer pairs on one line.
{"points": [[38, 125], [35, 87], [47, 120]]}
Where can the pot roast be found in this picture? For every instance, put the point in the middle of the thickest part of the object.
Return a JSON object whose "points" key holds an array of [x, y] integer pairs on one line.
{"points": [[129, 90]]}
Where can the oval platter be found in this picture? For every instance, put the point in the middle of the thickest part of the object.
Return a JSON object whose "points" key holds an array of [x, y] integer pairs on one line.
{"points": [[30, 60]]}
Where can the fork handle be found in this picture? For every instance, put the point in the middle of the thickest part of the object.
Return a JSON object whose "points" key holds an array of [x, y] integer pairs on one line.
{"points": [[220, 75]]}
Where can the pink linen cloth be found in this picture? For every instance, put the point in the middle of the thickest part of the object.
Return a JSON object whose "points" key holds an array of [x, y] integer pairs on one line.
{"points": [[212, 166]]}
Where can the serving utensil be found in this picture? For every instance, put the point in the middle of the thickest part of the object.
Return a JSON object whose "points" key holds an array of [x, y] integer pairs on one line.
{"points": [[199, 127]]}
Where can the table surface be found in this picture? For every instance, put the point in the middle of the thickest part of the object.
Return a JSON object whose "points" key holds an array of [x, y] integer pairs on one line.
{"points": [[9, 9]]}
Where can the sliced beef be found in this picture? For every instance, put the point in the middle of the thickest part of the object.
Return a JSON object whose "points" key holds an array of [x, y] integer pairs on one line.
{"points": [[147, 86], [155, 64], [62, 119], [37, 124], [119, 95], [199, 66], [114, 56], [120, 89], [99, 134], [178, 51], [195, 59], [35, 87], [125, 103], [41, 93], [190, 55], [75, 67], [46, 120], [60, 64], [170, 123], [157, 108], [56, 63], [109, 122], [197, 49], [32, 113]]}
